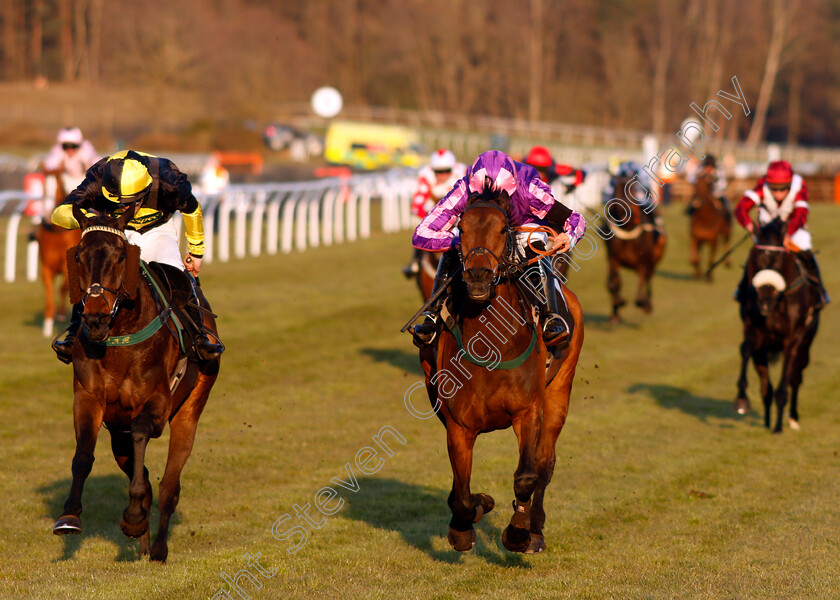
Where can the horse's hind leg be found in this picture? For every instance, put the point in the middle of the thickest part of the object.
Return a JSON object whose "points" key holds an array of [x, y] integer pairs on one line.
{"points": [[712, 253], [694, 256], [645, 276], [123, 447], [517, 536], [87, 421], [181, 437]]}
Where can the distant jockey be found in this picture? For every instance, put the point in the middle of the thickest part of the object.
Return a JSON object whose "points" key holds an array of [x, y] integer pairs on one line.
{"points": [[531, 204], [709, 169], [433, 182], [550, 171], [782, 194]]}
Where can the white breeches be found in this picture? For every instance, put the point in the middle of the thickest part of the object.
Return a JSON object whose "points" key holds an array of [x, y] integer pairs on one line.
{"points": [[159, 244]]}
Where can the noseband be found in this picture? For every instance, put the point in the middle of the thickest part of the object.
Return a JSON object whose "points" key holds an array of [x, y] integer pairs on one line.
{"points": [[97, 289], [502, 264]]}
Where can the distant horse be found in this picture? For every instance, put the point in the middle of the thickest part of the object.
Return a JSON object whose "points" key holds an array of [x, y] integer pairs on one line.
{"points": [[488, 370], [779, 316], [633, 242], [709, 221], [53, 243], [426, 275], [123, 365]]}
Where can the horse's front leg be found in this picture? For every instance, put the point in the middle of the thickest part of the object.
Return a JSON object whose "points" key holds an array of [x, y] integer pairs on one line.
{"points": [[87, 419], [791, 371], [760, 360], [742, 403], [148, 424], [517, 535], [694, 255], [614, 288], [466, 507], [712, 253], [122, 446], [643, 298], [49, 297]]}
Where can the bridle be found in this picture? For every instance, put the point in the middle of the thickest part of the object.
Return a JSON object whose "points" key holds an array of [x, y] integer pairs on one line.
{"points": [[504, 264], [96, 289]]}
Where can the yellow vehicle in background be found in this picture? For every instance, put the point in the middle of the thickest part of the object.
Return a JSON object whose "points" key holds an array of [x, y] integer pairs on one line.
{"points": [[371, 146]]}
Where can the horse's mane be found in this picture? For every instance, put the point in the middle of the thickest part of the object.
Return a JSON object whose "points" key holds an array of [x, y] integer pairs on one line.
{"points": [[491, 194]]}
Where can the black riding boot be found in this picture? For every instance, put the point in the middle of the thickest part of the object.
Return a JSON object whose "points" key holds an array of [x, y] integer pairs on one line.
{"points": [[812, 271], [185, 297], [414, 266], [424, 333], [64, 348], [555, 318]]}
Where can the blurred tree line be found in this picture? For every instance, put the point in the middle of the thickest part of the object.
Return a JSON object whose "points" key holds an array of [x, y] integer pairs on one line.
{"points": [[634, 64]]}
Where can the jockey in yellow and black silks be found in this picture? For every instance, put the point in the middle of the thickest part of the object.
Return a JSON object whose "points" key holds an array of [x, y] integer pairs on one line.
{"points": [[154, 188]]}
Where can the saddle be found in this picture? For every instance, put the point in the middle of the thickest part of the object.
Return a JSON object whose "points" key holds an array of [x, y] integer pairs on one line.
{"points": [[170, 292]]}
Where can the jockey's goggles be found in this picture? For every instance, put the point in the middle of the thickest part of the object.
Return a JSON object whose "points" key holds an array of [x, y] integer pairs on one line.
{"points": [[442, 171], [779, 187], [69, 146]]}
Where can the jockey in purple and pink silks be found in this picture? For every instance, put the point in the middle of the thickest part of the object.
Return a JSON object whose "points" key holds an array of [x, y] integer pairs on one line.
{"points": [[531, 205]]}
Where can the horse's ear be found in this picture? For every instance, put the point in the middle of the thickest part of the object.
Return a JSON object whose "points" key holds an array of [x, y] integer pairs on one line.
{"points": [[80, 216], [131, 283], [74, 284], [504, 200]]}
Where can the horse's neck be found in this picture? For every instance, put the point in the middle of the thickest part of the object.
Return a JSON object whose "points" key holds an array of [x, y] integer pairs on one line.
{"points": [[500, 322], [137, 313]]}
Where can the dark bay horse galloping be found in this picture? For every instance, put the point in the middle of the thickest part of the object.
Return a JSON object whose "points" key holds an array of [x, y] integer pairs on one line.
{"points": [[633, 242], [778, 310], [123, 365], [709, 221], [53, 243], [487, 370]]}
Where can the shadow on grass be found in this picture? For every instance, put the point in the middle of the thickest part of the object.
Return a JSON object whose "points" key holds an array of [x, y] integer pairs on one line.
{"points": [[104, 499], [602, 322], [420, 515], [407, 360], [687, 276], [701, 407]]}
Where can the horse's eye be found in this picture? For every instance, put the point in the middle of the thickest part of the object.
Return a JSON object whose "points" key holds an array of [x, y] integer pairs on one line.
{"points": [[122, 257], [77, 257]]}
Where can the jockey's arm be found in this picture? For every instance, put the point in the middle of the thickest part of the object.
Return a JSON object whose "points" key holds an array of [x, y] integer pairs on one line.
{"points": [[742, 211], [434, 233], [85, 196], [569, 224]]}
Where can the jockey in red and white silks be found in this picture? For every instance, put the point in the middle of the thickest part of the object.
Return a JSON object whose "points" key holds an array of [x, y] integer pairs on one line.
{"points": [[780, 193], [435, 180]]}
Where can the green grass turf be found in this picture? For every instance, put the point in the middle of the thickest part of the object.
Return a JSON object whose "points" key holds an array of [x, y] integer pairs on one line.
{"points": [[660, 490]]}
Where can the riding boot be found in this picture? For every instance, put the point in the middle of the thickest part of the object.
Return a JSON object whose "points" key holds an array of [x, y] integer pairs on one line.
{"points": [[185, 297], [553, 316], [424, 333], [812, 272], [414, 266], [64, 348]]}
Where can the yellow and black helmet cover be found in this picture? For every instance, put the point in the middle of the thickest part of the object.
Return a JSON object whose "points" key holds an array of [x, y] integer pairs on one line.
{"points": [[126, 177]]}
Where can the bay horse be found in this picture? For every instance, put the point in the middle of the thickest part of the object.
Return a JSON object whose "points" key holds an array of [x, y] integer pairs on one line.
{"points": [[426, 275], [779, 314], [487, 370], [53, 243], [123, 362], [709, 221], [634, 242]]}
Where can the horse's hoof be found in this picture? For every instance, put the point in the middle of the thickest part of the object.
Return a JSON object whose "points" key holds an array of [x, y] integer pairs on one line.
{"points": [[516, 539], [485, 505], [794, 425], [134, 530], [461, 540], [615, 320], [537, 544], [742, 406], [68, 524], [159, 552]]}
